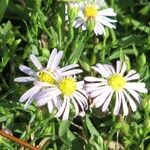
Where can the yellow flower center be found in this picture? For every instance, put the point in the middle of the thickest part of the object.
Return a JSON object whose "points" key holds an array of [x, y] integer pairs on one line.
{"points": [[67, 86], [46, 77], [90, 11], [117, 82]]}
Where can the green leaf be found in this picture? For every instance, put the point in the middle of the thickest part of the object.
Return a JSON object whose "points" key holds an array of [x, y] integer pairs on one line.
{"points": [[3, 6], [64, 127]]}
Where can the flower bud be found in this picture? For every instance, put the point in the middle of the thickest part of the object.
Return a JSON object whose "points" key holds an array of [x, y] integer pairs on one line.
{"points": [[73, 9], [91, 24], [146, 103], [45, 52], [59, 21]]}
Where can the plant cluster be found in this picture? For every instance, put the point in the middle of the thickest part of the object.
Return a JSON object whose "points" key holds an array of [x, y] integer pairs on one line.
{"points": [[85, 74]]}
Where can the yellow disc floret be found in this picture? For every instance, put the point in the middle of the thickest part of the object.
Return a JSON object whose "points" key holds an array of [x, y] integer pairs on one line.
{"points": [[117, 82], [46, 77], [90, 11], [68, 86]]}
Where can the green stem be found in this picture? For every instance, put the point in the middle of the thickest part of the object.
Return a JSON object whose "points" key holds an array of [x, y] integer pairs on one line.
{"points": [[71, 36], [54, 133]]}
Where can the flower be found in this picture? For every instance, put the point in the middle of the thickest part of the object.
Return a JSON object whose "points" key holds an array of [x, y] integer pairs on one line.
{"points": [[44, 77], [94, 16], [69, 94], [114, 82]]}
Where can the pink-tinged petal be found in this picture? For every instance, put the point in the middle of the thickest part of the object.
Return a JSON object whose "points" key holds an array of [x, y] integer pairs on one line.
{"points": [[72, 72], [27, 70], [29, 93], [50, 105], [24, 79], [61, 110], [36, 62], [51, 58], [66, 68], [32, 98], [56, 61]]}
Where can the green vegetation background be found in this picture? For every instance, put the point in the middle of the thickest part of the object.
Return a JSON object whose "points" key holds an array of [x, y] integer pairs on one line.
{"points": [[38, 26]]}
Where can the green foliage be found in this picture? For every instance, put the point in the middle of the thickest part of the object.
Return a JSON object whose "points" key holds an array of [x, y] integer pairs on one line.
{"points": [[38, 26]]}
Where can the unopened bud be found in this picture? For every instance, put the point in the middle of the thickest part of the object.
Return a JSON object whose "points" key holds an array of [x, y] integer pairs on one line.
{"points": [[73, 9], [91, 24], [146, 103]]}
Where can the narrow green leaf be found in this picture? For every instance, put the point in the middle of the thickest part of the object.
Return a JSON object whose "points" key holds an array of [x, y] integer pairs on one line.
{"points": [[64, 127]]}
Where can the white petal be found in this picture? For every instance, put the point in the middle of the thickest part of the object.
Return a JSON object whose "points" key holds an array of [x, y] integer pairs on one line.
{"points": [[123, 69], [104, 70], [107, 102], [72, 72], [91, 89], [43, 84], [80, 84], [24, 79], [80, 97], [83, 26], [101, 70], [50, 105], [56, 60], [99, 29], [68, 67], [131, 72], [79, 102], [124, 104], [27, 70], [107, 12], [117, 104], [36, 62], [134, 94], [78, 22], [51, 58], [66, 111], [139, 86], [108, 19], [28, 94], [93, 79], [133, 77], [75, 105], [57, 102], [118, 66], [42, 101], [99, 100], [130, 100], [94, 85], [98, 92], [30, 100], [61, 110], [106, 23]]}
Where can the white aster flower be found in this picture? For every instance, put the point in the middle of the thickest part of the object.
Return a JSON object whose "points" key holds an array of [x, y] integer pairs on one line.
{"points": [[44, 77], [94, 14], [113, 82], [69, 94]]}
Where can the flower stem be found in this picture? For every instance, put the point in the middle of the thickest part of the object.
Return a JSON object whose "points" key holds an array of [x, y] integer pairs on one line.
{"points": [[14, 139]]}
